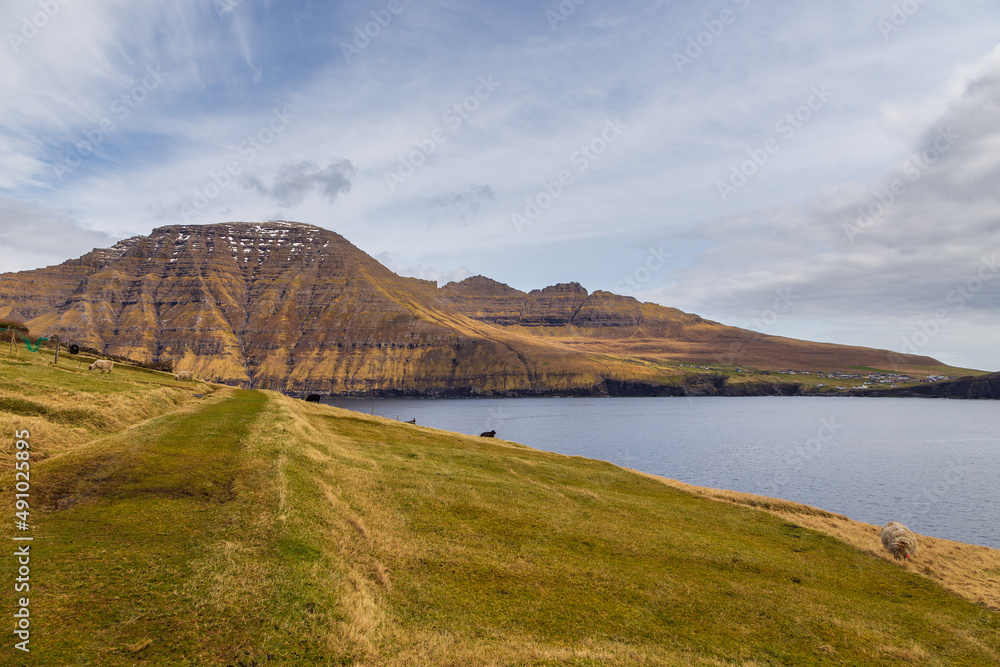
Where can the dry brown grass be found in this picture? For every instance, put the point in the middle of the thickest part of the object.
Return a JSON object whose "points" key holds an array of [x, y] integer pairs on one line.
{"points": [[129, 411], [971, 571], [64, 407], [449, 650]]}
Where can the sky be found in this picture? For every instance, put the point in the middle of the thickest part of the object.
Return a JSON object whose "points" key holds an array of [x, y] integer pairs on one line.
{"points": [[825, 171]]}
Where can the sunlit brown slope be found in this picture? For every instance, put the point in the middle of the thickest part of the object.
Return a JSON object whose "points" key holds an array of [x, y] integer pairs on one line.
{"points": [[299, 308]]}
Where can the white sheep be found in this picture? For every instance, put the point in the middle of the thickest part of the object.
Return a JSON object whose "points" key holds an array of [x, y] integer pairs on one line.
{"points": [[898, 540], [185, 375], [102, 365]]}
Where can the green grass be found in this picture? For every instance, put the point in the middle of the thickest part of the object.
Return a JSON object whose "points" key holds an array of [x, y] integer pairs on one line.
{"points": [[248, 528], [540, 549], [139, 535]]}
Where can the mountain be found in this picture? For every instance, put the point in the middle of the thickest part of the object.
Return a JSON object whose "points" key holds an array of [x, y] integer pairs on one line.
{"points": [[299, 308]]}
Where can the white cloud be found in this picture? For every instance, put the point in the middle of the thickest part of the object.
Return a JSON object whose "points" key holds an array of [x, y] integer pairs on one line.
{"points": [[33, 236], [921, 241]]}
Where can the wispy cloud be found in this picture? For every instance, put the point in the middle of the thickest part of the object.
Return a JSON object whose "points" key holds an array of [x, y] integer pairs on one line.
{"points": [[38, 236]]}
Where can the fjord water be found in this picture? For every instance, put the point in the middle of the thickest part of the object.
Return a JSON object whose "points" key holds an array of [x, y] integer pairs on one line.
{"points": [[932, 464]]}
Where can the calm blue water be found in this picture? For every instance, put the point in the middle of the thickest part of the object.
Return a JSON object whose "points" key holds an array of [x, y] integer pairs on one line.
{"points": [[932, 464]]}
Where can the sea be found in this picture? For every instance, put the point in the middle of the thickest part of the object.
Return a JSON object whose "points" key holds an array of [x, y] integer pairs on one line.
{"points": [[933, 464]]}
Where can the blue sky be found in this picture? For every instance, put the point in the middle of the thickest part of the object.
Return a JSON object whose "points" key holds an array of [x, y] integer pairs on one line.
{"points": [[825, 171]]}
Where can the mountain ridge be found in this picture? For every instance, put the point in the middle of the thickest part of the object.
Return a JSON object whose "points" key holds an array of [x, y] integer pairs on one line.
{"points": [[299, 308]]}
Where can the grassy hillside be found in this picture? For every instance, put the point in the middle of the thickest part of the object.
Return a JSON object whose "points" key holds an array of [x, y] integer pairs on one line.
{"points": [[65, 406], [246, 528]]}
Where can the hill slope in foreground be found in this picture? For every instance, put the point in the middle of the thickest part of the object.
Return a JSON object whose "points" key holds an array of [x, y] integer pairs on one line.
{"points": [[299, 309], [248, 528]]}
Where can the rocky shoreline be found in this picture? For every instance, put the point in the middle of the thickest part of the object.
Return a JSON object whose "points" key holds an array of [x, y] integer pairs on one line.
{"points": [[970, 387], [707, 386]]}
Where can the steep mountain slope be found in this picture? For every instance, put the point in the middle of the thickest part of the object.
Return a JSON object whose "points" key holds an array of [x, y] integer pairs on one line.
{"points": [[299, 308]]}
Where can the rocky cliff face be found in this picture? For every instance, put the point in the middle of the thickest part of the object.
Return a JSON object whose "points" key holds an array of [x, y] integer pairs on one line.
{"points": [[299, 308], [562, 305], [27, 294], [977, 387], [485, 300]]}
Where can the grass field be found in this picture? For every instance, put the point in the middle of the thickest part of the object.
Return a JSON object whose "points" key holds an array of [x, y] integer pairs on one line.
{"points": [[247, 528]]}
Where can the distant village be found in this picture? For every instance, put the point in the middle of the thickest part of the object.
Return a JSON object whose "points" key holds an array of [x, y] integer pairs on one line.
{"points": [[891, 379], [879, 378]]}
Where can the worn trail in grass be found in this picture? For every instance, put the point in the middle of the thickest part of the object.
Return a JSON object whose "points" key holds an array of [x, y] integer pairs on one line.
{"points": [[133, 555]]}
